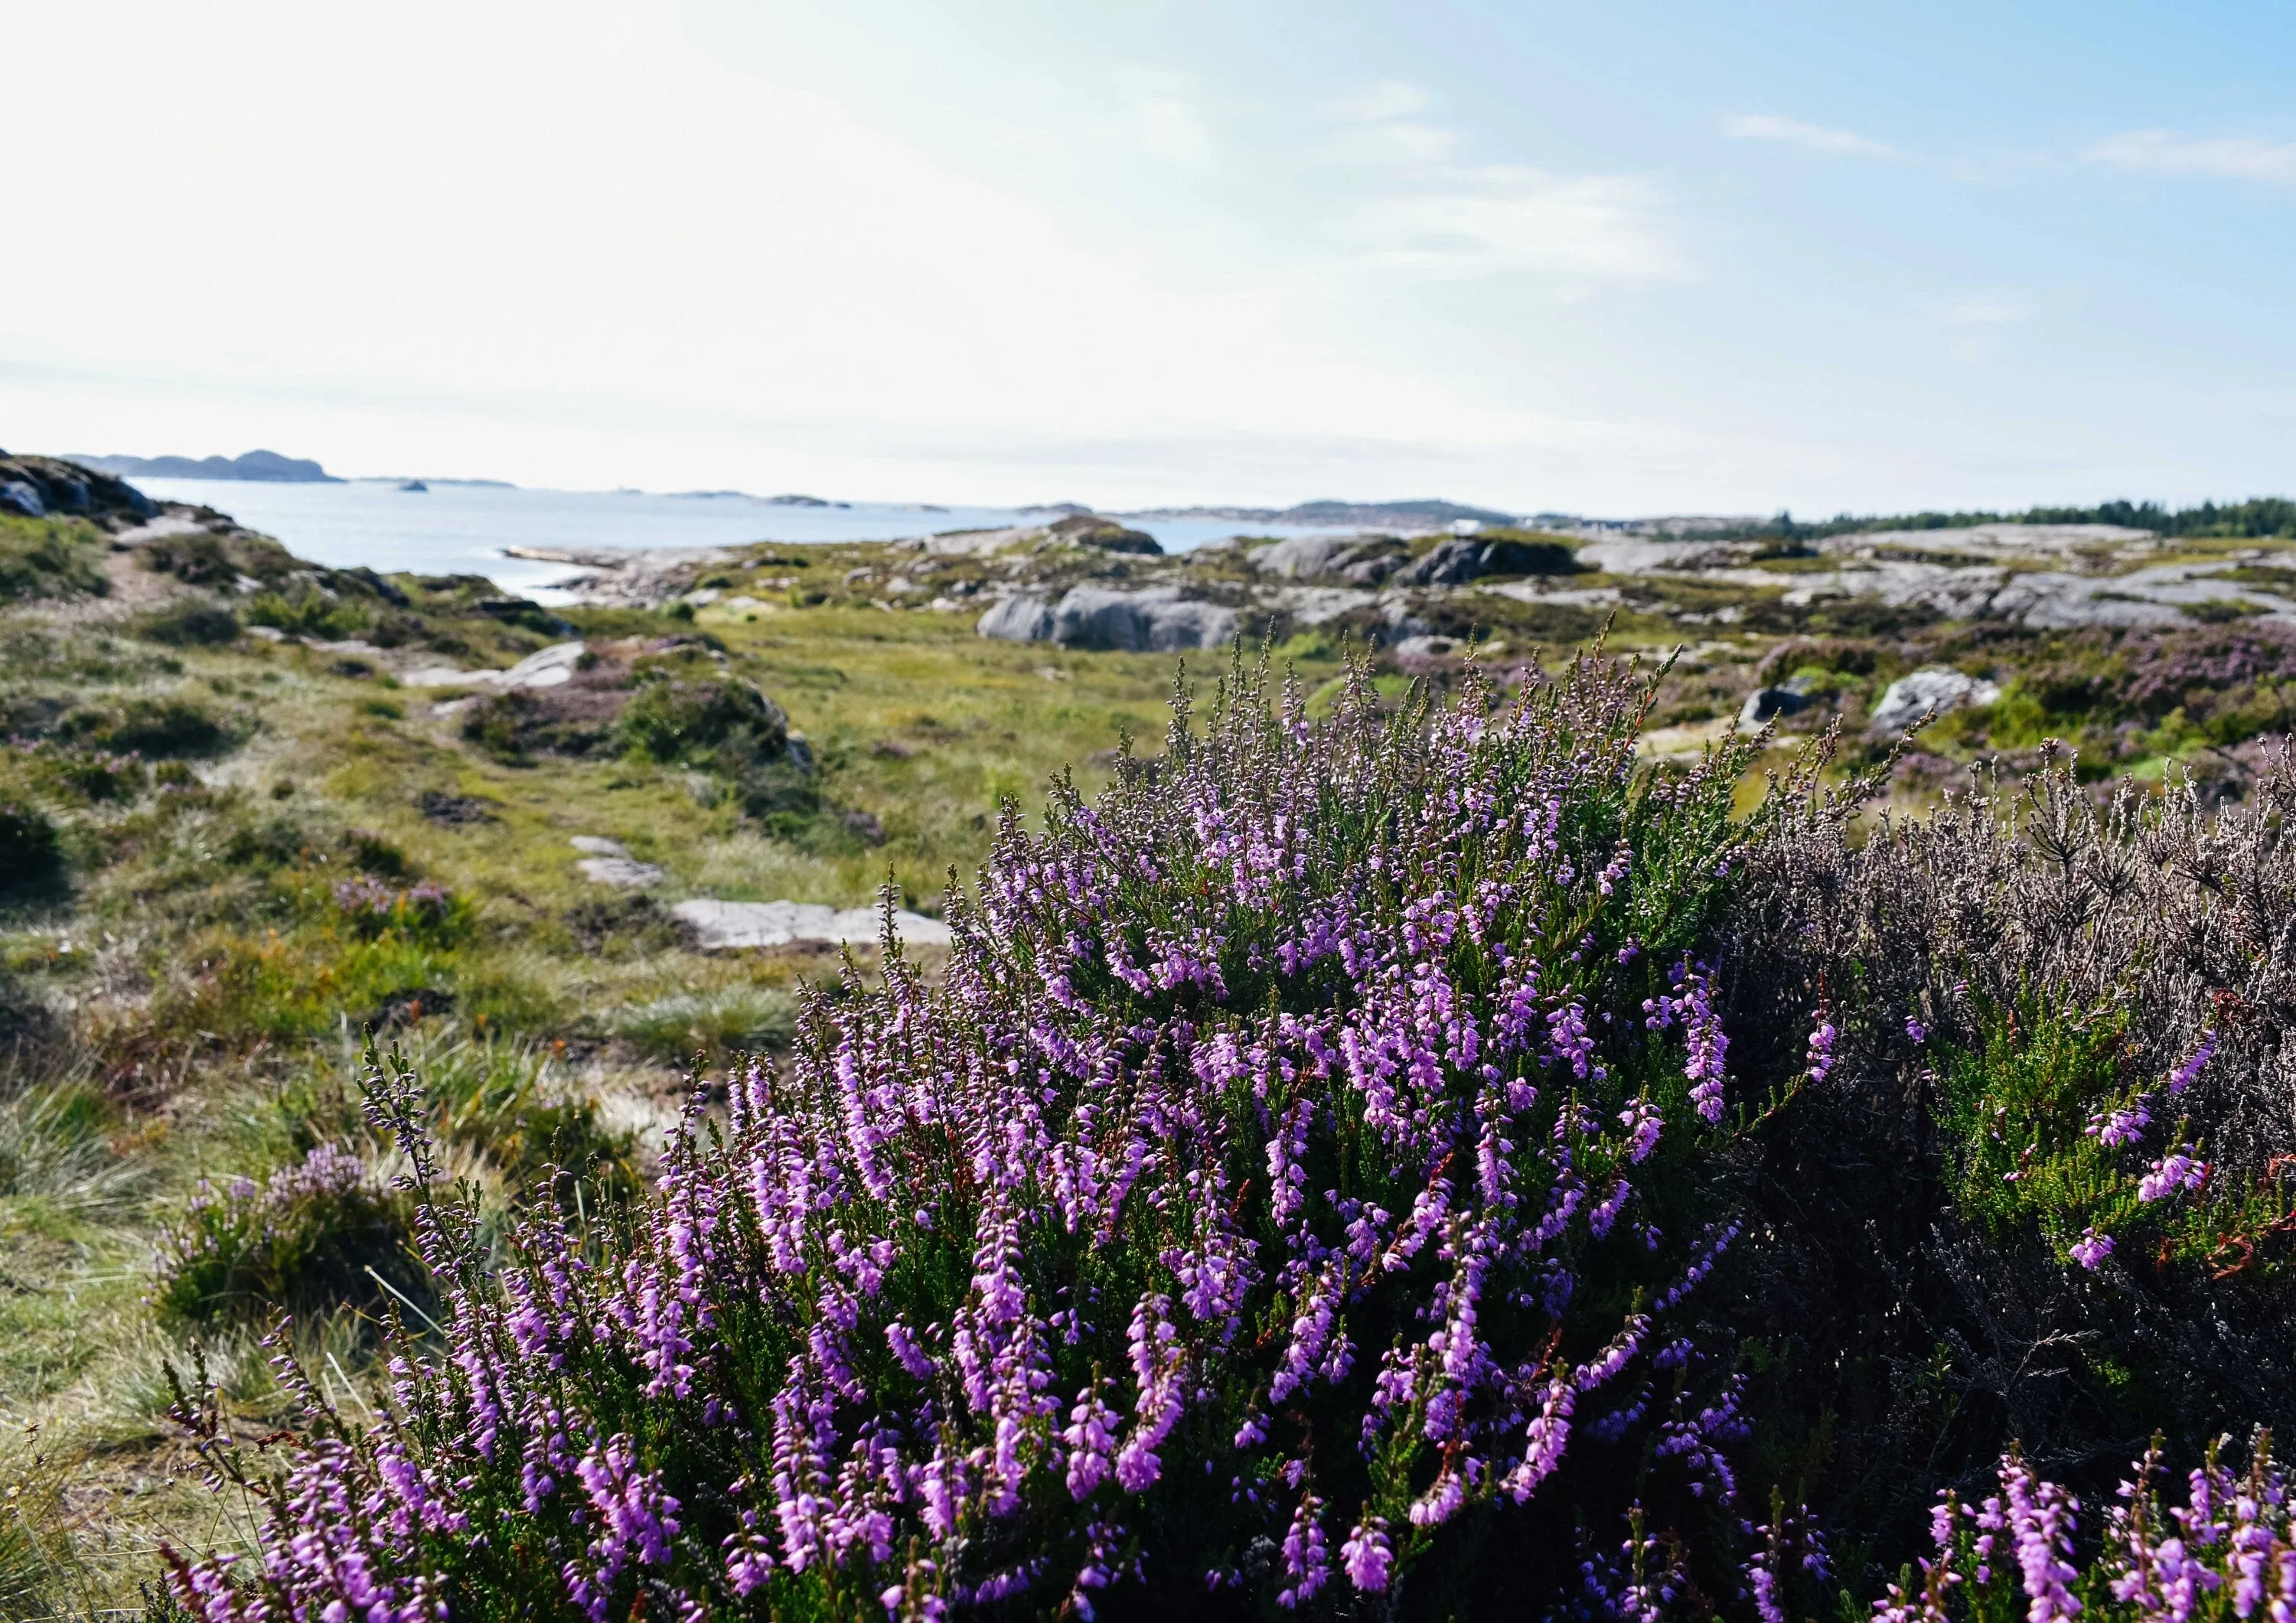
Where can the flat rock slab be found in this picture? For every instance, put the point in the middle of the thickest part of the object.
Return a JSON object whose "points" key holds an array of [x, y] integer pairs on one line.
{"points": [[620, 873], [593, 845], [730, 926], [551, 667]]}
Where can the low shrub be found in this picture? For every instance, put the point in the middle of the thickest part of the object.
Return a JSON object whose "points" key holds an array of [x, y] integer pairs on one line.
{"points": [[147, 725], [2046, 1192], [679, 722], [308, 611], [515, 727], [190, 623], [300, 1240], [1421, 1165], [426, 911], [50, 558], [31, 850], [201, 558]]}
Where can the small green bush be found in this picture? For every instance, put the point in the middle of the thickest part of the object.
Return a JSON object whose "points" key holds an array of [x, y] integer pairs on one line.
{"points": [[301, 1240], [50, 558], [676, 723], [515, 728], [193, 623], [426, 912], [307, 612], [150, 726], [200, 559], [31, 851]]}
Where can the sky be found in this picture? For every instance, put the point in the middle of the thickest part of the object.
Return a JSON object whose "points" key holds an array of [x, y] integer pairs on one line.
{"points": [[1615, 258]]}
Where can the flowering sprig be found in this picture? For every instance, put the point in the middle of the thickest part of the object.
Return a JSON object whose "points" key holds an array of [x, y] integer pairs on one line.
{"points": [[2224, 1554]]}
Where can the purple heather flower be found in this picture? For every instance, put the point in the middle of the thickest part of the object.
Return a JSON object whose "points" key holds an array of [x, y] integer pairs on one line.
{"points": [[2040, 1524], [2179, 1168], [2189, 1071], [1820, 1059], [1367, 1556], [2091, 1249]]}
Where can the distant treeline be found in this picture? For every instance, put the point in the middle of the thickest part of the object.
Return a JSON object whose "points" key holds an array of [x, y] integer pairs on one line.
{"points": [[2264, 516]]}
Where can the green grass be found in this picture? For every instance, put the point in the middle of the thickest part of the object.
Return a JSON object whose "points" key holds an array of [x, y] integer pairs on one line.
{"points": [[50, 558]]}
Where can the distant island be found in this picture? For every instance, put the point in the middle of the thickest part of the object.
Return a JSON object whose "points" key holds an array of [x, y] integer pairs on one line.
{"points": [[1421, 514], [268, 467], [405, 480]]}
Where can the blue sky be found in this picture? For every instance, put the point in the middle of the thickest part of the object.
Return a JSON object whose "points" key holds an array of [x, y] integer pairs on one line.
{"points": [[1625, 258]]}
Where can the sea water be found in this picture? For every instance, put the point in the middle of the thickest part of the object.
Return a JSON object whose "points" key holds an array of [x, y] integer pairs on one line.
{"points": [[451, 529]]}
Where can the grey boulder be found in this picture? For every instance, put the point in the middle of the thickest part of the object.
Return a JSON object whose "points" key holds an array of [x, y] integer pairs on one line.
{"points": [[732, 926], [1154, 620], [1023, 618], [1360, 560], [1909, 698], [1462, 559], [20, 495], [1766, 702]]}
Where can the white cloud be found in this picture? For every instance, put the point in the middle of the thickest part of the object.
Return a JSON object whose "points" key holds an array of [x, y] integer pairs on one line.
{"points": [[1505, 218], [1981, 311], [1420, 210], [2163, 151], [1377, 126], [1387, 99], [1816, 137]]}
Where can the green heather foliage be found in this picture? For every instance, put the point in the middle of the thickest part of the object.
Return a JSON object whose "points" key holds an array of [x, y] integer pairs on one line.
{"points": [[50, 558], [31, 852], [675, 722], [300, 1240], [190, 623], [308, 611], [151, 725]]}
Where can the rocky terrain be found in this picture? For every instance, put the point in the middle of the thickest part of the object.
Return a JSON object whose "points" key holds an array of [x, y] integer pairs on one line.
{"points": [[2133, 645]]}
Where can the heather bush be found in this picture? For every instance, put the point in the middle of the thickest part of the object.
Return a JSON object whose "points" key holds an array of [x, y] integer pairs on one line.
{"points": [[426, 911], [2228, 1551], [151, 726], [302, 1239], [193, 622], [1419, 1165], [1301, 1182], [2043, 1192], [31, 850]]}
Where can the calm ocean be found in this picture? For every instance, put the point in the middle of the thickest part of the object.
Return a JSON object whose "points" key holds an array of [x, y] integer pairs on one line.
{"points": [[462, 529]]}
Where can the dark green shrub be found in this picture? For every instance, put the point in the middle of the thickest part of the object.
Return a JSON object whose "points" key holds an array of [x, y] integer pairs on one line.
{"points": [[149, 726], [301, 1240], [678, 722], [200, 559], [515, 727], [31, 851], [306, 610], [781, 795], [191, 623]]}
